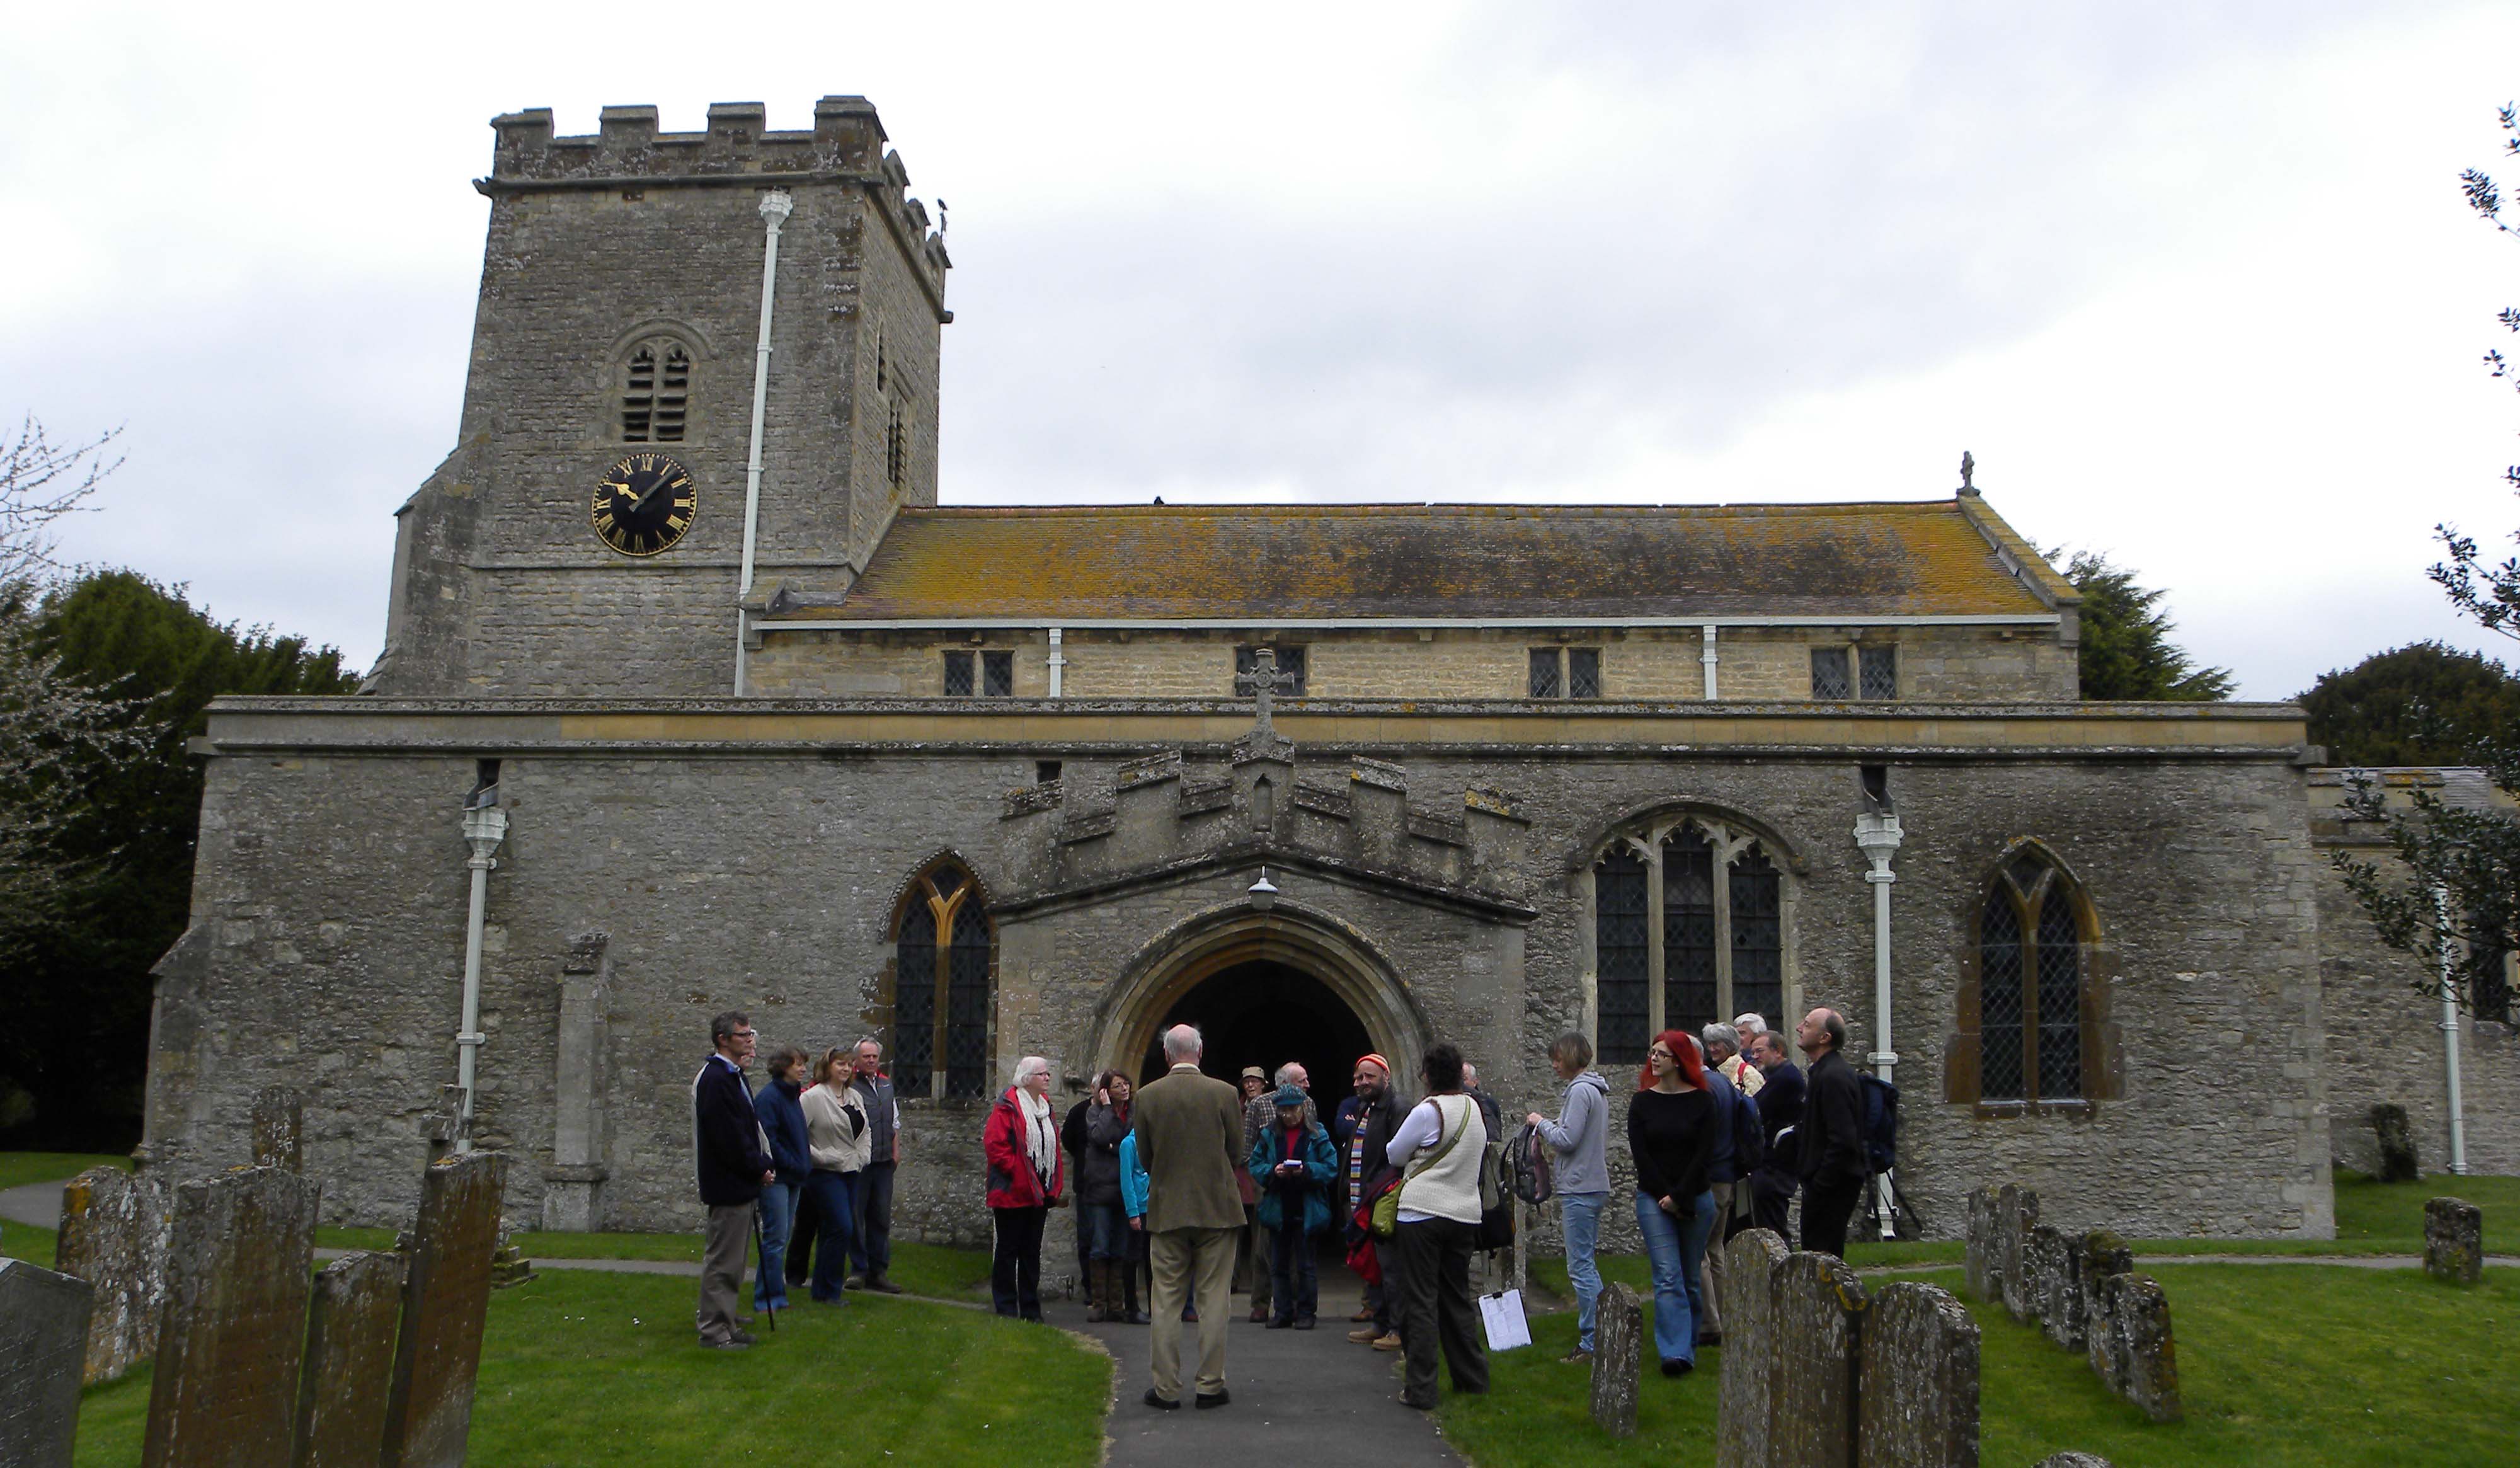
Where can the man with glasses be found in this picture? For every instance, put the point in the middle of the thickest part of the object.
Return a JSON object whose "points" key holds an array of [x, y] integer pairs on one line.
{"points": [[734, 1157]]}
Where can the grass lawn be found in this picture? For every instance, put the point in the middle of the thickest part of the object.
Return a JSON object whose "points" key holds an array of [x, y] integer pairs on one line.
{"points": [[582, 1368], [2287, 1366], [18, 1169]]}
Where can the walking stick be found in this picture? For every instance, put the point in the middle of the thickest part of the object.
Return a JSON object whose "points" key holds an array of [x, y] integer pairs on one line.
{"points": [[761, 1264]]}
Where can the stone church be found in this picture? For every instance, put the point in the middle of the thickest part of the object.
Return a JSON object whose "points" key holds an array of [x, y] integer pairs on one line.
{"points": [[695, 698]]}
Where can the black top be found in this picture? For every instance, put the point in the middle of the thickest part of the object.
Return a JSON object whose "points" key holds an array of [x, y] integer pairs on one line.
{"points": [[1781, 1106], [1831, 1135], [1672, 1137], [729, 1133]]}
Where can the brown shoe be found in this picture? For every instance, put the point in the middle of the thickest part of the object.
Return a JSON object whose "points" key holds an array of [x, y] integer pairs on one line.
{"points": [[1366, 1337], [1260, 1314], [1363, 1314], [1390, 1342]]}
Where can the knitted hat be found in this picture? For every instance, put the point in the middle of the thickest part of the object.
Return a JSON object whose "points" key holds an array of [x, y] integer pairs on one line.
{"points": [[1290, 1094], [1376, 1061]]}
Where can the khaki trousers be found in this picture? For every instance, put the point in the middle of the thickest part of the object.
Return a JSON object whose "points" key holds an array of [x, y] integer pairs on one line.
{"points": [[730, 1228], [1198, 1262], [1710, 1269]]}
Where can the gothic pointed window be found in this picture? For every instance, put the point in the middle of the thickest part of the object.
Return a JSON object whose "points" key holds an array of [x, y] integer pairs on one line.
{"points": [[2031, 1025], [1717, 903], [943, 988]]}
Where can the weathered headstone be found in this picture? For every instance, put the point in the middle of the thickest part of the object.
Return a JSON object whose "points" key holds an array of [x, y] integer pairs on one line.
{"points": [[1981, 1264], [342, 1390], [43, 1347], [2397, 1142], [2131, 1345], [2073, 1460], [113, 1235], [234, 1334], [1915, 1388], [279, 1128], [1618, 1354], [2057, 1282], [1815, 1315], [445, 1298], [2453, 1240], [508, 1262], [2101, 1255], [1749, 1344], [2016, 1213]]}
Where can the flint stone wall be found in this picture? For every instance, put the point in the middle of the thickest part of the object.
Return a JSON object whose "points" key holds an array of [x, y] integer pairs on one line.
{"points": [[1916, 1384], [224, 1391], [115, 1233], [43, 1348]]}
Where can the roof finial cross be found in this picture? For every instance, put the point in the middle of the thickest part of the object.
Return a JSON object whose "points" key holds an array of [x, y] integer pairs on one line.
{"points": [[1969, 467], [1264, 681]]}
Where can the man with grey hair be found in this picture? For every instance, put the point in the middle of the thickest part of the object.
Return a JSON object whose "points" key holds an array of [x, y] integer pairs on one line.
{"points": [[1187, 1129], [871, 1244]]}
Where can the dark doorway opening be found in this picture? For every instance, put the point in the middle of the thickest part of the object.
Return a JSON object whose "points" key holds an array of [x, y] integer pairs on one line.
{"points": [[1266, 1015]]}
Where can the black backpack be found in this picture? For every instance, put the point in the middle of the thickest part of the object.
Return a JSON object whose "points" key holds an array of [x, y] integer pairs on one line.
{"points": [[1534, 1170], [1880, 1123], [1750, 1135]]}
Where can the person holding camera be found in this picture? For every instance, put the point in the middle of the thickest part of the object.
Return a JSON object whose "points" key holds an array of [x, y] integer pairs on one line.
{"points": [[1295, 1167]]}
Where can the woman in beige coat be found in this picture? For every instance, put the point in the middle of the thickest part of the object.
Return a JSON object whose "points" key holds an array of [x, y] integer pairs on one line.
{"points": [[838, 1142]]}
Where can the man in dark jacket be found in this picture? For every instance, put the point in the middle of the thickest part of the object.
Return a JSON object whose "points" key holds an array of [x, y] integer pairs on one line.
{"points": [[1073, 1141], [1780, 1114], [871, 1245], [1368, 1169], [1832, 1135], [734, 1160]]}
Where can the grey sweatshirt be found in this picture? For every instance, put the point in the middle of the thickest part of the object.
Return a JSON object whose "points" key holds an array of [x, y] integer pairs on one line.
{"points": [[1578, 1136]]}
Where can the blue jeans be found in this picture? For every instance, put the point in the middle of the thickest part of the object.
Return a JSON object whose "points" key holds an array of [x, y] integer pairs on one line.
{"points": [[778, 1215], [1106, 1230], [1581, 1216], [1676, 1246], [835, 1200]]}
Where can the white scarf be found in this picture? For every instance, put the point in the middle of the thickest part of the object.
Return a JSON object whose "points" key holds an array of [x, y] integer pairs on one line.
{"points": [[1041, 1143]]}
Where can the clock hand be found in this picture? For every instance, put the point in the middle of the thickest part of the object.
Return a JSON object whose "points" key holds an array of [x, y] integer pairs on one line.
{"points": [[640, 502]]}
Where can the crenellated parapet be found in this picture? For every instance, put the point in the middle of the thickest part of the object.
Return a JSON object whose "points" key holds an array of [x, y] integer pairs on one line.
{"points": [[1168, 813]]}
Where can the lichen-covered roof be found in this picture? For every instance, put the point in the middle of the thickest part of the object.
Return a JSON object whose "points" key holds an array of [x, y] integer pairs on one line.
{"points": [[1480, 561]]}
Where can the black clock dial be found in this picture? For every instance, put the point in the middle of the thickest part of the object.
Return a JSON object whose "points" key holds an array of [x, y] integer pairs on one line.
{"points": [[644, 504]]}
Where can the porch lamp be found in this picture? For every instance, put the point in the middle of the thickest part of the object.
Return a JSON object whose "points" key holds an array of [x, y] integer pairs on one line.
{"points": [[1264, 893]]}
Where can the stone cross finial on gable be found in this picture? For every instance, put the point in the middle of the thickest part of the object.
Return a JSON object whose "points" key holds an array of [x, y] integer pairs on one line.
{"points": [[1262, 682]]}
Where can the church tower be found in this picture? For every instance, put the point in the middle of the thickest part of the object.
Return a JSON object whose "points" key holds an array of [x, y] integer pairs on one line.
{"points": [[589, 533]]}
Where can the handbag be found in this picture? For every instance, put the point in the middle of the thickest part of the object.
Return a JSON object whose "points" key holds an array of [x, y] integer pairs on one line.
{"points": [[1386, 1208]]}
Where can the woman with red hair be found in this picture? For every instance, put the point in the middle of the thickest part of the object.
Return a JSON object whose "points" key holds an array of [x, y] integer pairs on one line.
{"points": [[1671, 1134]]}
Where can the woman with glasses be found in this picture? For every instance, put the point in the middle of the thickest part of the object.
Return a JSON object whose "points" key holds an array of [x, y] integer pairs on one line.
{"points": [[1671, 1134]]}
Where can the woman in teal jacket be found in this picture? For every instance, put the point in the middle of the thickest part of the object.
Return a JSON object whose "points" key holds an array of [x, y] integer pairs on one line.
{"points": [[1296, 1166]]}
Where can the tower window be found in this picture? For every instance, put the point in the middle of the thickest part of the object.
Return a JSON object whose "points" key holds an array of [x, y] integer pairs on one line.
{"points": [[897, 446], [655, 393], [1880, 668], [1831, 677]]}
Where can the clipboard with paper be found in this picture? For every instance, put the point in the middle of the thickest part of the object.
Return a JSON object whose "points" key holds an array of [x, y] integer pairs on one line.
{"points": [[1502, 1314]]}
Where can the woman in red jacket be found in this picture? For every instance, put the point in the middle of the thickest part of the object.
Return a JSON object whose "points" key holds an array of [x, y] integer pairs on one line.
{"points": [[1021, 1141]]}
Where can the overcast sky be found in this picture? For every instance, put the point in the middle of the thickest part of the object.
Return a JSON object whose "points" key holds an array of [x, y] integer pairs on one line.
{"points": [[2192, 281]]}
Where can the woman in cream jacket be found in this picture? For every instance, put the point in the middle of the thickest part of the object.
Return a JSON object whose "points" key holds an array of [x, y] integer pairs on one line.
{"points": [[838, 1142]]}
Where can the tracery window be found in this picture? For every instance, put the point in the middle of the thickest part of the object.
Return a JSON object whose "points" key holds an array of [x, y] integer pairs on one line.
{"points": [[2032, 933], [1688, 927], [655, 392], [944, 971]]}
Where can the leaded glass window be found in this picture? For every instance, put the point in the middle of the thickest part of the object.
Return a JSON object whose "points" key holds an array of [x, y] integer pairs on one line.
{"points": [[998, 675], [942, 999], [2031, 967], [2000, 1001], [1583, 671], [1621, 957], [1880, 667], [1758, 936], [958, 675], [1544, 681], [1830, 676], [1688, 928], [1688, 932]]}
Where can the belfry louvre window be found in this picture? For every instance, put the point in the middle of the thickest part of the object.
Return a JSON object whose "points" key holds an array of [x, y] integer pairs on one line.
{"points": [[1716, 902], [1830, 676], [2032, 933], [897, 445], [655, 393], [944, 967]]}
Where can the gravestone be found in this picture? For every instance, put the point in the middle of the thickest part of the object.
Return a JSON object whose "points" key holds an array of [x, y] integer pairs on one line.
{"points": [[2131, 1345], [2056, 1284], [1814, 1319], [2397, 1142], [234, 1333], [1618, 1354], [445, 1297], [1749, 1344], [2453, 1240], [2100, 1255], [43, 1350], [2073, 1460], [113, 1235], [508, 1262], [279, 1128], [2016, 1213], [342, 1390], [1916, 1382], [1980, 1264]]}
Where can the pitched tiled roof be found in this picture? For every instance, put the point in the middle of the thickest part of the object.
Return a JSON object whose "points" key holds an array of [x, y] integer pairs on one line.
{"points": [[1481, 561]]}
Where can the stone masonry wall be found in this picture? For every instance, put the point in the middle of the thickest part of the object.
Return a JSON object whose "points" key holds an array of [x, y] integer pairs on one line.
{"points": [[330, 906]]}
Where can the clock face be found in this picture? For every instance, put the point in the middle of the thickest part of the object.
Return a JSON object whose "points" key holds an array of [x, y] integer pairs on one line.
{"points": [[644, 504]]}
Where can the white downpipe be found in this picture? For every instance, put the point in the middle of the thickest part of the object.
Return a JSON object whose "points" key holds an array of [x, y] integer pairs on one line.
{"points": [[1878, 836], [2450, 1034], [484, 827], [1057, 660], [1707, 658], [776, 207]]}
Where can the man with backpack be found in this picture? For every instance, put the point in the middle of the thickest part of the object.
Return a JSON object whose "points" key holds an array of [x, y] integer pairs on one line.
{"points": [[1830, 1140]]}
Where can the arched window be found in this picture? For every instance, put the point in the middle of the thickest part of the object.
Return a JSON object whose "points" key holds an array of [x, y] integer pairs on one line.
{"points": [[655, 392], [1688, 927], [944, 964], [2034, 933]]}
